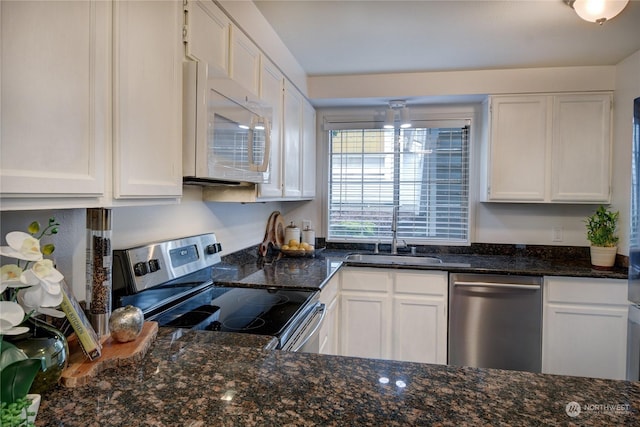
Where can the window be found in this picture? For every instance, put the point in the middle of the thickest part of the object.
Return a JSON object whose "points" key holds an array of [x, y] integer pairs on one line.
{"points": [[423, 171]]}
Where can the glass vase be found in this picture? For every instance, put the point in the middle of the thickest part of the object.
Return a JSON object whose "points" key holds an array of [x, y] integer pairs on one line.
{"points": [[48, 344]]}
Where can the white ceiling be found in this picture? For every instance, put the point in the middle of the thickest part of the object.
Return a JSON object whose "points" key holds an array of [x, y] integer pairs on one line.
{"points": [[388, 36]]}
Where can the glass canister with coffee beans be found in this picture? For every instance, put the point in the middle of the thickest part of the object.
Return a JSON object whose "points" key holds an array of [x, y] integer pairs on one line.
{"points": [[99, 264]]}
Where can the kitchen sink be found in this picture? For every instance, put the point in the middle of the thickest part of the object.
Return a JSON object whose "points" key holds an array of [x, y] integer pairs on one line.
{"points": [[386, 259]]}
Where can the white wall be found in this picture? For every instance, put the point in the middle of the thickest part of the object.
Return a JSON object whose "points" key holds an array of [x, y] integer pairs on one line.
{"points": [[70, 242], [443, 83], [237, 226]]}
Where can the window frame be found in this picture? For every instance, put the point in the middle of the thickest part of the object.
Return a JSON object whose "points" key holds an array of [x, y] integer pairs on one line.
{"points": [[421, 115]]}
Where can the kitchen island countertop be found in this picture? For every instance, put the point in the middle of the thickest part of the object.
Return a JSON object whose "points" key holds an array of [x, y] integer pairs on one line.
{"points": [[201, 379]]}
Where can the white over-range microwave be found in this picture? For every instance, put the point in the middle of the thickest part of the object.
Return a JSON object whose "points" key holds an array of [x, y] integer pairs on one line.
{"points": [[226, 140]]}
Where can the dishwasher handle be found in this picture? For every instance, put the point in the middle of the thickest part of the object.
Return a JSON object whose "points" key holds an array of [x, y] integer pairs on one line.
{"points": [[498, 285]]}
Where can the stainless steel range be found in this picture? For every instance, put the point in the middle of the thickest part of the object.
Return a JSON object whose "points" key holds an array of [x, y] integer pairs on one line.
{"points": [[172, 283]]}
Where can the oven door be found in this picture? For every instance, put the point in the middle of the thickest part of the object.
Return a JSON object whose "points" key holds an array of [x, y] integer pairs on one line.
{"points": [[305, 334]]}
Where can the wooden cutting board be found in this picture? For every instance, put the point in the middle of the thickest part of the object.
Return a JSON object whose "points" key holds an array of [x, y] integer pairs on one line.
{"points": [[80, 371], [274, 233]]}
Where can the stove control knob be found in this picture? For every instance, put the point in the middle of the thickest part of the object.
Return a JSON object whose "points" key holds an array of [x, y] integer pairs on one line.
{"points": [[214, 248], [154, 265], [140, 268]]}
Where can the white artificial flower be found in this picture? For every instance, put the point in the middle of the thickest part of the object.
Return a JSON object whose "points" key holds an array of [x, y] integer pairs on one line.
{"points": [[10, 277], [42, 271], [11, 315], [40, 283], [45, 290], [22, 246]]}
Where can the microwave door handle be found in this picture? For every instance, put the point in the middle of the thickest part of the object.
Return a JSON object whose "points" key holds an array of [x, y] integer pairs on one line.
{"points": [[267, 146], [250, 139], [262, 167]]}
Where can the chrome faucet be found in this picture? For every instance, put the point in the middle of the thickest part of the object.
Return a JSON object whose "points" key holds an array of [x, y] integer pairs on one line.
{"points": [[394, 231]]}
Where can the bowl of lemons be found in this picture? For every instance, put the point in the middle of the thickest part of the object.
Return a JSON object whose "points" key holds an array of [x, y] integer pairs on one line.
{"points": [[293, 248]]}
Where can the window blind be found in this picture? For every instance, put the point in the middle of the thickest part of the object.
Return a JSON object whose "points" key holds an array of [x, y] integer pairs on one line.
{"points": [[424, 170]]}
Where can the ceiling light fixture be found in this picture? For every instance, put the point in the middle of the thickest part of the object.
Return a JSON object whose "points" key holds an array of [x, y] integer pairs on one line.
{"points": [[389, 119], [598, 11], [405, 120], [390, 115]]}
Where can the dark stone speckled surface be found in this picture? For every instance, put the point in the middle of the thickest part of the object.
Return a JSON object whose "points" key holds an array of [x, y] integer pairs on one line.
{"points": [[219, 379], [247, 269], [201, 380]]}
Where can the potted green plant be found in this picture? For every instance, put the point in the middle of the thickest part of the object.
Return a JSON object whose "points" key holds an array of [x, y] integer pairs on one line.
{"points": [[602, 234], [17, 372]]}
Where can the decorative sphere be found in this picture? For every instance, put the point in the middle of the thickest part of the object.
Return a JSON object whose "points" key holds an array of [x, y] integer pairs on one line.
{"points": [[126, 323]]}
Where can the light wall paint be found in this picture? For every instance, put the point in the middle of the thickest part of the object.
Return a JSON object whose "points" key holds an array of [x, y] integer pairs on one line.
{"points": [[237, 226], [474, 82]]}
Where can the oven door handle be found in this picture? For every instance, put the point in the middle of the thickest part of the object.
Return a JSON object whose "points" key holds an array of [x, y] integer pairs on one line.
{"points": [[319, 307]]}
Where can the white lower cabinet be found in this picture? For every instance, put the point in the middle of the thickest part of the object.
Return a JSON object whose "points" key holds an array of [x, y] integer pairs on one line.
{"points": [[420, 316], [584, 329], [394, 314], [365, 312]]}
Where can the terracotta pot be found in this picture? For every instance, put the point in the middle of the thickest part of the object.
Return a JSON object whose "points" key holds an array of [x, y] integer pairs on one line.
{"points": [[603, 258]]}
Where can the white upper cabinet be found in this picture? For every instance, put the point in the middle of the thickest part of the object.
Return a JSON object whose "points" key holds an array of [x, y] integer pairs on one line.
{"points": [[207, 36], [271, 91], [91, 103], [518, 148], [308, 172], [55, 92], [581, 150], [147, 137], [292, 120], [245, 62], [299, 164], [549, 149]]}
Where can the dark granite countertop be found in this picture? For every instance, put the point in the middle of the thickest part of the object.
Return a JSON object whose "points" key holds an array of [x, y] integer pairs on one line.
{"points": [[199, 379], [247, 269]]}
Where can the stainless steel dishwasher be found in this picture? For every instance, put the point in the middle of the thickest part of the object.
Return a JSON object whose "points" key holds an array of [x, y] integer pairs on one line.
{"points": [[495, 321]]}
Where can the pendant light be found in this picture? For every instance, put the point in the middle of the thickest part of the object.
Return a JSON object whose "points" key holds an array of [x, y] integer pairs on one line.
{"points": [[390, 115], [598, 11], [405, 120], [389, 118]]}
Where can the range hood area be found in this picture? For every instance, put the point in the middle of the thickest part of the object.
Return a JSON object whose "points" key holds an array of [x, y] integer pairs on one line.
{"points": [[226, 140]]}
